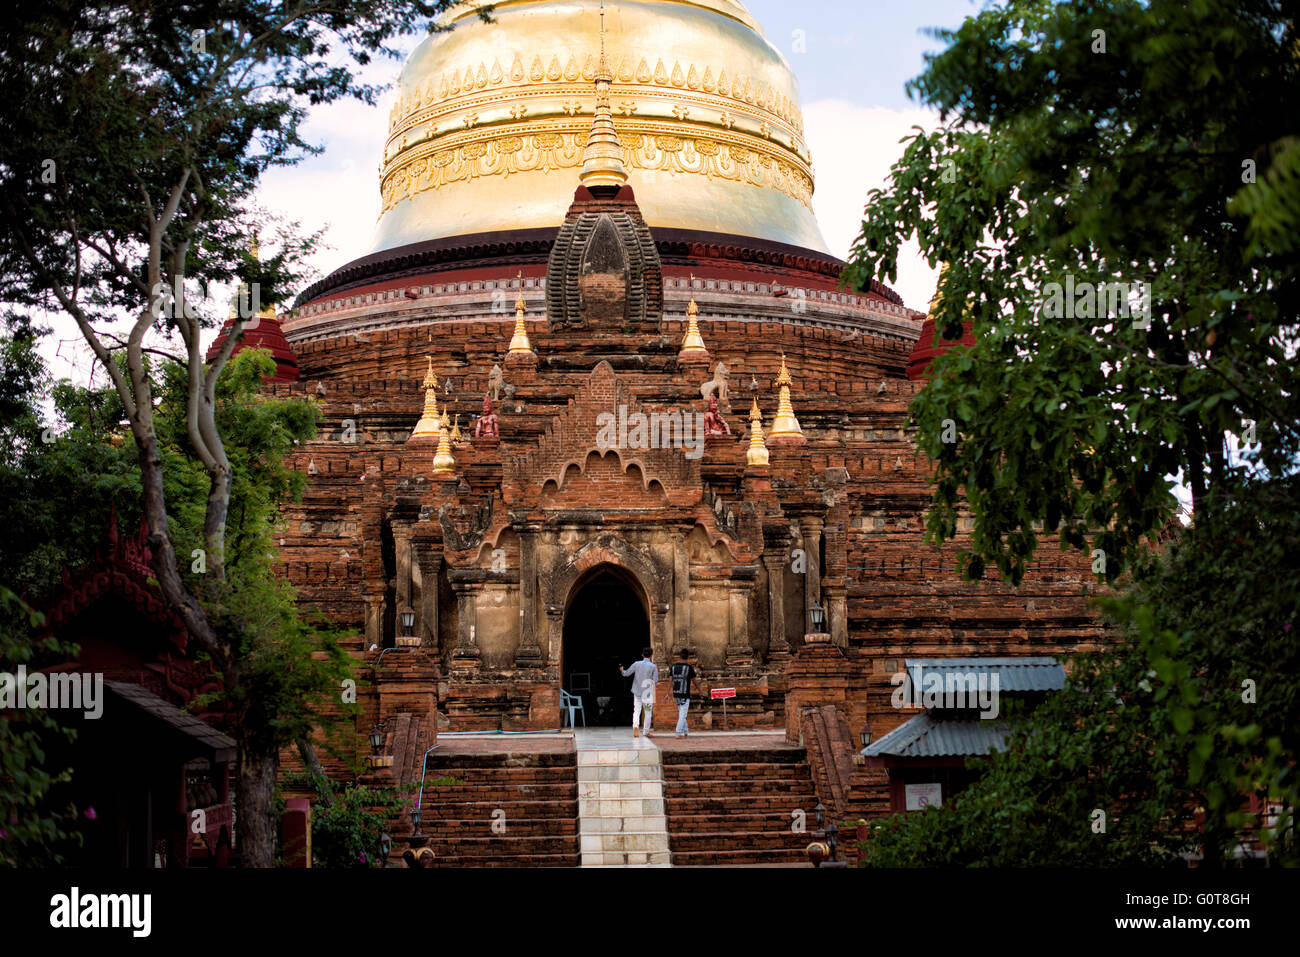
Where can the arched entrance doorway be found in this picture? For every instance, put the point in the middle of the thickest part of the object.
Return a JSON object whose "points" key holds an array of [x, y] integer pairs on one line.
{"points": [[605, 626]]}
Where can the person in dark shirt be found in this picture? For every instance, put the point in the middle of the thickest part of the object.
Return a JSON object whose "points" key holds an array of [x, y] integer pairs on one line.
{"points": [[682, 673]]}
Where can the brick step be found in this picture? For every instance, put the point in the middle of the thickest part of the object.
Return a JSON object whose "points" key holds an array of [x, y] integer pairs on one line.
{"points": [[515, 827], [728, 770], [740, 804], [746, 785], [502, 777], [737, 840], [446, 763], [771, 787], [502, 845], [767, 756], [468, 810], [523, 860], [731, 857], [515, 792], [697, 823]]}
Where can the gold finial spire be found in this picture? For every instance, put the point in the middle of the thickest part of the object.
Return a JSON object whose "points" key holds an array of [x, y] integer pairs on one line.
{"points": [[444, 463], [456, 437], [785, 425], [602, 160], [693, 342], [429, 424], [519, 341], [603, 71], [757, 455]]}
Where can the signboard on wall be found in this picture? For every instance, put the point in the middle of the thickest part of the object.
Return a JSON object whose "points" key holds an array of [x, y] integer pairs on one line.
{"points": [[918, 797]]}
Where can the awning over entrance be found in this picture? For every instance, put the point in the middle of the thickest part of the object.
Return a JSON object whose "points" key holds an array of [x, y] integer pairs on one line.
{"points": [[217, 747]]}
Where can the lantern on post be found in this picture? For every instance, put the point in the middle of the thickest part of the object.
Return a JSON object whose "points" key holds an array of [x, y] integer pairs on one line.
{"points": [[408, 638]]}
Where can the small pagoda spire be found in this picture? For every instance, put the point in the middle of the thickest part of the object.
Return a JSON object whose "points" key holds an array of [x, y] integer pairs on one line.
{"points": [[519, 343], [756, 456], [444, 463], [429, 424], [456, 437], [602, 160], [241, 303], [693, 342], [785, 425]]}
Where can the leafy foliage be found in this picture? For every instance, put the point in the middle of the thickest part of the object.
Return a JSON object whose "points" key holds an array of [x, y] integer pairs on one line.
{"points": [[146, 128], [1138, 142], [1117, 166], [347, 833], [31, 832]]}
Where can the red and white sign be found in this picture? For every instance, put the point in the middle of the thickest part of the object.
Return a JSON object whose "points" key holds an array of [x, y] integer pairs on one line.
{"points": [[717, 693], [918, 797]]}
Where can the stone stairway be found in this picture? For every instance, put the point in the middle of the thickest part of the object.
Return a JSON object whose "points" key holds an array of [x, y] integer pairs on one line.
{"points": [[730, 807], [621, 821], [514, 810]]}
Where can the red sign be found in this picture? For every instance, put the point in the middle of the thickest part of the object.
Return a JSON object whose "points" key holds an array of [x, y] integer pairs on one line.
{"points": [[717, 693]]}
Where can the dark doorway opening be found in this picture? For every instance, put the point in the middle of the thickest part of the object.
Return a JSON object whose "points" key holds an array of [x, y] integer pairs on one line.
{"points": [[605, 628]]}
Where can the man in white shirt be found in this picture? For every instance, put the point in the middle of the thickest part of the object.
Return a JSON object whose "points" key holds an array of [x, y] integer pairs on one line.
{"points": [[645, 675]]}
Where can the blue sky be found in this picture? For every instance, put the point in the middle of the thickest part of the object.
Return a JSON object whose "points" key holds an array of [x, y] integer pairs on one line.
{"points": [[864, 51]]}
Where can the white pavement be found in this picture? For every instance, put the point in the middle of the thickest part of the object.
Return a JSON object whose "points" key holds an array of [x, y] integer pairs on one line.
{"points": [[621, 819]]}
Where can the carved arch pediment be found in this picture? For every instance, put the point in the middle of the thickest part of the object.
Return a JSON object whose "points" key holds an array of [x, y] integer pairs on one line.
{"points": [[574, 436]]}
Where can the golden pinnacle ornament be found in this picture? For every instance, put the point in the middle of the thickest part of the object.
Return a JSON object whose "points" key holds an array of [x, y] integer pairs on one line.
{"points": [[693, 343], [785, 425], [429, 425], [444, 463], [519, 343], [756, 456]]}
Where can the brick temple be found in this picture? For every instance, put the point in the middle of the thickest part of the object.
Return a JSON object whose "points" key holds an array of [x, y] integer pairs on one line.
{"points": [[596, 246]]}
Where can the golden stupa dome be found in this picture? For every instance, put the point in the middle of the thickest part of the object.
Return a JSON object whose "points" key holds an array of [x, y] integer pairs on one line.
{"points": [[491, 121]]}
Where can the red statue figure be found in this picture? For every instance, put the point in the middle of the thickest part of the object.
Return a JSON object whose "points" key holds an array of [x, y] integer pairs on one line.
{"points": [[715, 424], [488, 425]]}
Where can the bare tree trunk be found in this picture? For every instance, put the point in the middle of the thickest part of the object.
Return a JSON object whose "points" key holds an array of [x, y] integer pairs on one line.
{"points": [[258, 770], [308, 754]]}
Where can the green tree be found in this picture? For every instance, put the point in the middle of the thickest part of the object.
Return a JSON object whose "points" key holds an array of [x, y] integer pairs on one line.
{"points": [[145, 129], [290, 669], [1113, 141], [1057, 159]]}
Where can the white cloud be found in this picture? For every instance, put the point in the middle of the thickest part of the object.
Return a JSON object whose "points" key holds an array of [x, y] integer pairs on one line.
{"points": [[852, 148]]}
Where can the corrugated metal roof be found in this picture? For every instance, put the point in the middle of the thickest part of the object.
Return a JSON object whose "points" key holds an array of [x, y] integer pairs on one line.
{"points": [[930, 736], [223, 745], [1037, 673]]}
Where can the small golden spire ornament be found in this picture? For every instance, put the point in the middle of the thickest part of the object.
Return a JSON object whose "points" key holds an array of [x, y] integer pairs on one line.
{"points": [[693, 342], [602, 160], [519, 343], [429, 424], [756, 456], [785, 425], [444, 463], [456, 437]]}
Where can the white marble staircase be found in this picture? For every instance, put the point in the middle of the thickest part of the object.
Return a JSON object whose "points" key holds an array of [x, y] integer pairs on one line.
{"points": [[621, 819]]}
